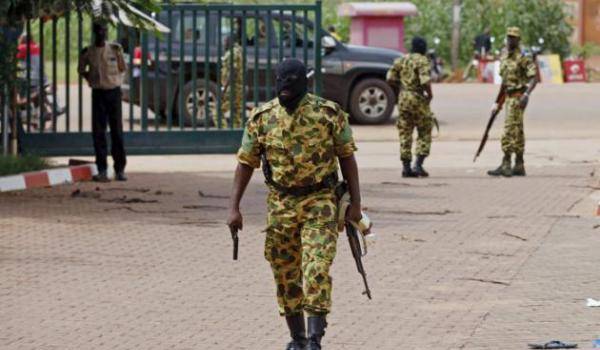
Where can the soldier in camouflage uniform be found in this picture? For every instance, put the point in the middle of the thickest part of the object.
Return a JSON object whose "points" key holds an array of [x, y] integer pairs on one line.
{"points": [[300, 139], [231, 80], [412, 74], [519, 78]]}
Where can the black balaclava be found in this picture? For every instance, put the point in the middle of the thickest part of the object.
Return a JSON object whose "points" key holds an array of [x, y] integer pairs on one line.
{"points": [[419, 45], [292, 83]]}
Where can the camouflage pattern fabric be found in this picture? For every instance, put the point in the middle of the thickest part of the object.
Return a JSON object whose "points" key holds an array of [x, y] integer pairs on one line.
{"points": [[300, 245], [407, 122], [302, 147], [412, 72], [234, 87], [516, 71], [301, 235], [513, 138]]}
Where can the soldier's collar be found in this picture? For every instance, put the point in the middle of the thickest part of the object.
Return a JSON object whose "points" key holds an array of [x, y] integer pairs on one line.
{"points": [[303, 101]]}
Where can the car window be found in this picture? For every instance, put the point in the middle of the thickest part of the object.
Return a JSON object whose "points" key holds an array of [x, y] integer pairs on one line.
{"points": [[188, 28]]}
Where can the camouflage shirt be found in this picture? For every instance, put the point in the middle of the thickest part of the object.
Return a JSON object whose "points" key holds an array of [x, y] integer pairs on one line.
{"points": [[516, 70], [411, 72], [237, 66], [301, 147]]}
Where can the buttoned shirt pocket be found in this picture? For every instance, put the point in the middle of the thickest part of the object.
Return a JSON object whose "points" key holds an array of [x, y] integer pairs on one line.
{"points": [[317, 150], [276, 152], [112, 65]]}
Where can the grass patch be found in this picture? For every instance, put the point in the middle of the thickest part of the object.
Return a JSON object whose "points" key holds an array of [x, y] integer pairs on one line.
{"points": [[11, 165]]}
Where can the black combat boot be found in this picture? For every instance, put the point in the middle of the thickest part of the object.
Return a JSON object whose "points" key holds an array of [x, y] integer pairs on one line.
{"points": [[503, 169], [418, 169], [297, 332], [519, 168], [406, 170], [316, 331]]}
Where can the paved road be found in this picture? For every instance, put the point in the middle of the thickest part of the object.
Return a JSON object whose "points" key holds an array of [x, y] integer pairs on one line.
{"points": [[462, 261]]}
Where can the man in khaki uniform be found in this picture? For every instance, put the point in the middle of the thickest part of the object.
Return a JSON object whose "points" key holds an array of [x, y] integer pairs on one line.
{"points": [[102, 65]]}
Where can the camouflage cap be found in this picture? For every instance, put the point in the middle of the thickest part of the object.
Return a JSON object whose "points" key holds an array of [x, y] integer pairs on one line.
{"points": [[513, 31]]}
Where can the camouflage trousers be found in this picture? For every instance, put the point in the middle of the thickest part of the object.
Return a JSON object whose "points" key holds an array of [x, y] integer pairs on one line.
{"points": [[422, 120], [513, 138], [300, 245], [226, 111]]}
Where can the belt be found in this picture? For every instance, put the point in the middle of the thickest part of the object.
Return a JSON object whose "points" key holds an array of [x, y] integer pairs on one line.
{"points": [[328, 182]]}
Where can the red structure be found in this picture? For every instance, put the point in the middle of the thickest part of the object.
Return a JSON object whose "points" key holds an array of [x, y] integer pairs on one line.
{"points": [[378, 24]]}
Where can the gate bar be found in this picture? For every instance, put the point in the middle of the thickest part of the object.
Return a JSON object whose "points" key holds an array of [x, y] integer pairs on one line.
{"points": [[207, 93], [67, 71], [194, 69], [28, 74], [244, 63]]}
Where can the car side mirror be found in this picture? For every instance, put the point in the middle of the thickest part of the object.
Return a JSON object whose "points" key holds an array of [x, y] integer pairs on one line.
{"points": [[328, 42]]}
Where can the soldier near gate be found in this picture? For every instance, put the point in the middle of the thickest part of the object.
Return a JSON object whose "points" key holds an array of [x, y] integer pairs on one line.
{"points": [[102, 65], [299, 138], [518, 74], [231, 81], [412, 74]]}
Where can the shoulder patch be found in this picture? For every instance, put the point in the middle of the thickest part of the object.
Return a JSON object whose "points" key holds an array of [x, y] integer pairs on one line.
{"points": [[332, 107], [256, 112]]}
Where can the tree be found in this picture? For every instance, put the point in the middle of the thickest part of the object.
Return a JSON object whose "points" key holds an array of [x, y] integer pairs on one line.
{"points": [[546, 19]]}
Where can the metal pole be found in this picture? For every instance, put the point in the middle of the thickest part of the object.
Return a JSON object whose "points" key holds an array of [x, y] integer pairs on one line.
{"points": [[318, 83], [5, 121]]}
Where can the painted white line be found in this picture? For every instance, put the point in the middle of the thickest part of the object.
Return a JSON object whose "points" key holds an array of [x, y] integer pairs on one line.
{"points": [[59, 176], [12, 183]]}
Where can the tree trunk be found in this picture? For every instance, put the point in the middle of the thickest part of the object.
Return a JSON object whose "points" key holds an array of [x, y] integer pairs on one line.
{"points": [[455, 34]]}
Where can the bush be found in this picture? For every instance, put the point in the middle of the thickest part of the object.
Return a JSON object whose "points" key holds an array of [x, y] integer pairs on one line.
{"points": [[10, 165]]}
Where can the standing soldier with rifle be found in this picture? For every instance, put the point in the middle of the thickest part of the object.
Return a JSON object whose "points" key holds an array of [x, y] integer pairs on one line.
{"points": [[231, 80], [412, 75], [299, 138], [518, 74]]}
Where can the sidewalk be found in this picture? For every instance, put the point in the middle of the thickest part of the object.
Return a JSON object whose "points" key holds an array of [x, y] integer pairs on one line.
{"points": [[461, 261]]}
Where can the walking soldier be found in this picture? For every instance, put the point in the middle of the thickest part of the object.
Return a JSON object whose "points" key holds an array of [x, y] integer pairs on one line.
{"points": [[299, 138]]}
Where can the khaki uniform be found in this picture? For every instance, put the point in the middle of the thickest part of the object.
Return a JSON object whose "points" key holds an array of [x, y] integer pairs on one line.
{"points": [[104, 68], [516, 71], [301, 235], [234, 86], [411, 72]]}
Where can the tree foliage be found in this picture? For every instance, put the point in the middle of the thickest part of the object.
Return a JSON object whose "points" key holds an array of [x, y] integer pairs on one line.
{"points": [[546, 19]]}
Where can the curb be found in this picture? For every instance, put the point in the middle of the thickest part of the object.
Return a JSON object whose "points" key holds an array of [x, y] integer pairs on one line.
{"points": [[48, 178]]}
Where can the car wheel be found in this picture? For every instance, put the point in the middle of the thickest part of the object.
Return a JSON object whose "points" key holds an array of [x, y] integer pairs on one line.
{"points": [[371, 101], [188, 100]]}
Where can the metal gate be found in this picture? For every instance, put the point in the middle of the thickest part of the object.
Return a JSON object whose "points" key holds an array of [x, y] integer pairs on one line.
{"points": [[173, 92]]}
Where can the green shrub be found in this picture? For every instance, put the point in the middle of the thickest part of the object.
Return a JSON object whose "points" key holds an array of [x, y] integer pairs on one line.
{"points": [[10, 165]]}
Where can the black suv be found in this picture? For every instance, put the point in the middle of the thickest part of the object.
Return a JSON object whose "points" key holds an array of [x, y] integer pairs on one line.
{"points": [[353, 76]]}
